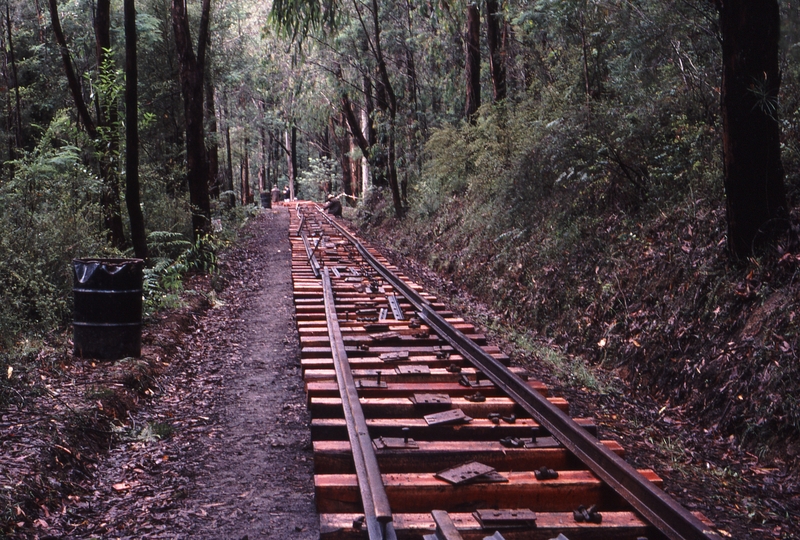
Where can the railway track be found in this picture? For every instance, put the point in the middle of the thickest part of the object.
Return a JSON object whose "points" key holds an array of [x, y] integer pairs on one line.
{"points": [[421, 429]]}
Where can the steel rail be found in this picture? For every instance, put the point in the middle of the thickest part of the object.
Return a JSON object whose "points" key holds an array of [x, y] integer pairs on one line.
{"points": [[656, 506], [312, 259], [302, 221], [377, 512]]}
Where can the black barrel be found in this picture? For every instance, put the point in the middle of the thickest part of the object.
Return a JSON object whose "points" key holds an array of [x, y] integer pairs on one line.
{"points": [[108, 307], [266, 200]]}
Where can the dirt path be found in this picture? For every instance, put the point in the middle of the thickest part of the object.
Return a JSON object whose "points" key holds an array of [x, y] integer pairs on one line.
{"points": [[257, 479], [215, 442]]}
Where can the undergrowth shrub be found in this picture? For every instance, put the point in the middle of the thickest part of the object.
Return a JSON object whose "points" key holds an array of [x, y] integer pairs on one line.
{"points": [[173, 259], [48, 216]]}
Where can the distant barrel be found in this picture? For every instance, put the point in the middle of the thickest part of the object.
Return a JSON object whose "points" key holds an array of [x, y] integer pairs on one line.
{"points": [[266, 199], [108, 307]]}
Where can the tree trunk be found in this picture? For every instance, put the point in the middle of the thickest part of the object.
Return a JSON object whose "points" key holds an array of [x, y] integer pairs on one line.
{"points": [[494, 41], [412, 125], [263, 179], [244, 170], [276, 157], [365, 168], [9, 124], [192, 74], [369, 109], [751, 78], [108, 117], [290, 136], [473, 63], [228, 187], [213, 146], [389, 102], [132, 198], [40, 22], [345, 161], [18, 109], [585, 56], [72, 80]]}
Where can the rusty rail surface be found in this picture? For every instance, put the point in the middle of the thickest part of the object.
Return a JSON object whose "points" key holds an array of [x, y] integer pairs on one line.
{"points": [[600, 457], [377, 512]]}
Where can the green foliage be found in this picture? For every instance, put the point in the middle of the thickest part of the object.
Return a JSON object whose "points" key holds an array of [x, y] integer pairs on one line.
{"points": [[296, 18], [48, 216], [173, 259], [322, 176]]}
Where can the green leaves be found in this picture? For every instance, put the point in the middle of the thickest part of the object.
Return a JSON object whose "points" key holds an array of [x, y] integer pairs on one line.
{"points": [[295, 18], [49, 215], [173, 258]]}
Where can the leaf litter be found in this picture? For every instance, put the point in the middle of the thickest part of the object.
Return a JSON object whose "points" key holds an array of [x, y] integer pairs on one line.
{"points": [[180, 442]]}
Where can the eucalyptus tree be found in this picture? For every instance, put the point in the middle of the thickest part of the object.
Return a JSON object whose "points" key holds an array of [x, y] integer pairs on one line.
{"points": [[13, 119], [132, 192], [473, 62], [192, 67], [496, 36], [299, 19], [104, 130], [255, 84]]}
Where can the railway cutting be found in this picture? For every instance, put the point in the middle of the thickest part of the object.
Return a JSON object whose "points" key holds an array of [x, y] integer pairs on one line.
{"points": [[422, 429]]}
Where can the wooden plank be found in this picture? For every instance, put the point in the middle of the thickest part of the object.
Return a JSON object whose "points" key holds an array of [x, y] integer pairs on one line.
{"points": [[403, 408], [478, 429], [355, 352], [313, 328], [388, 374], [405, 339], [617, 525], [373, 362], [400, 388], [333, 457], [422, 492]]}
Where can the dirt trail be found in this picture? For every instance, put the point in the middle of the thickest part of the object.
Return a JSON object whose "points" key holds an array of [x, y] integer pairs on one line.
{"points": [[257, 479]]}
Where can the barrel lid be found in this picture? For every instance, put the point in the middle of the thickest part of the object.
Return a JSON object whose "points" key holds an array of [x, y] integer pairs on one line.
{"points": [[108, 273]]}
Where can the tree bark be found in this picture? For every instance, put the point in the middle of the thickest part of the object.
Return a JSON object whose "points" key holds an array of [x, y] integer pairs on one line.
{"points": [[290, 136], [365, 166], [213, 146], [108, 118], [72, 80], [473, 62], [754, 176], [40, 21], [494, 41], [585, 56], [244, 170], [228, 177], [345, 142], [18, 108], [389, 102], [263, 177], [132, 198], [192, 75]]}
